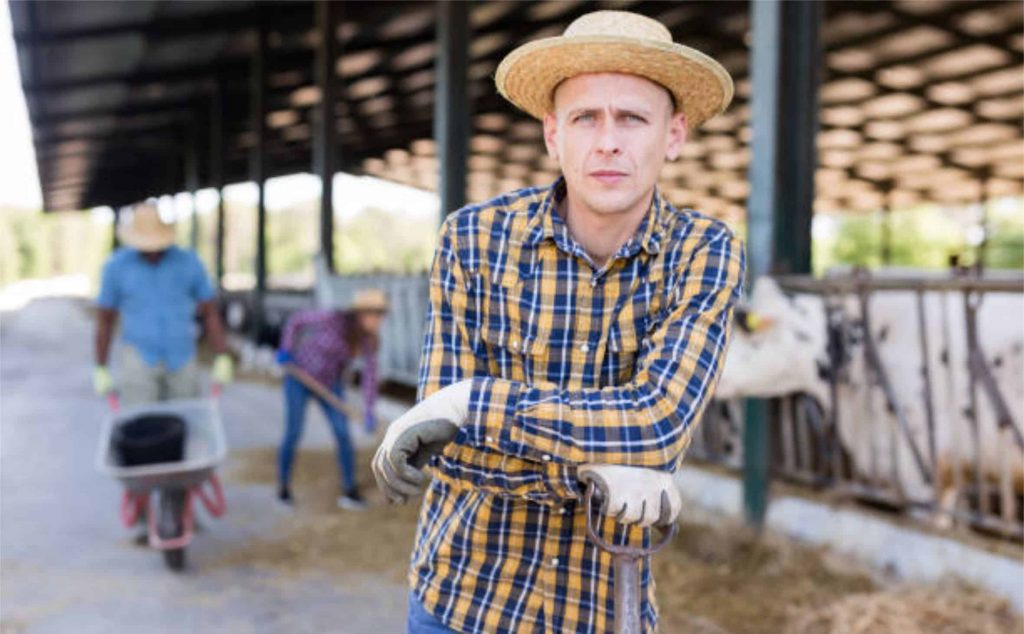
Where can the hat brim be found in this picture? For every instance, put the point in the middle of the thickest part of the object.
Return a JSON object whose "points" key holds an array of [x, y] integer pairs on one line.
{"points": [[528, 76], [146, 241]]}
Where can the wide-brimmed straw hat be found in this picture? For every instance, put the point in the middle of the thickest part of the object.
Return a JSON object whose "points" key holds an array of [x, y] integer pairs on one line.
{"points": [[145, 231], [370, 299], [615, 42]]}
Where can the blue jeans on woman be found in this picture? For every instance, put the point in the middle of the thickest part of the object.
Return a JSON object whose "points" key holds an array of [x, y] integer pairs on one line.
{"points": [[295, 396]]}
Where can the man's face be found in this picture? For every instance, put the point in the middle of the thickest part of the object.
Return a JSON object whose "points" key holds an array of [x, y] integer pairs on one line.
{"points": [[612, 133]]}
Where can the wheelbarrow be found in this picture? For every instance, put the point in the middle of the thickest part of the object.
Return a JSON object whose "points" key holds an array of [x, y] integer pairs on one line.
{"points": [[170, 525]]}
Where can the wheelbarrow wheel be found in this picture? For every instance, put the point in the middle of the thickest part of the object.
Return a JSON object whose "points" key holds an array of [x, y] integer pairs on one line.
{"points": [[171, 524]]}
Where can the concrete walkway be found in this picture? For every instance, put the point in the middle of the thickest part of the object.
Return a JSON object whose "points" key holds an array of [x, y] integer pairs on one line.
{"points": [[67, 563]]}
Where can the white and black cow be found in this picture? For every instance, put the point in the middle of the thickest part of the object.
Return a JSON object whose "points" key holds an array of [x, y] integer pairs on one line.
{"points": [[789, 350]]}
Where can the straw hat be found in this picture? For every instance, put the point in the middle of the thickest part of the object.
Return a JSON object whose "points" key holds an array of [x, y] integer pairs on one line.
{"points": [[370, 299], [615, 42], [145, 231]]}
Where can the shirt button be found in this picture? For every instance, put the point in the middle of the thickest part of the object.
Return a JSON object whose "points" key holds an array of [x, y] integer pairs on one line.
{"points": [[515, 344], [561, 510], [554, 561], [584, 348], [489, 439], [546, 458], [593, 281]]}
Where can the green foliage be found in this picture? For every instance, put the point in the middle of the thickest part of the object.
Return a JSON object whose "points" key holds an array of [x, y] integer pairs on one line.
{"points": [[925, 237], [1005, 247], [377, 240], [37, 245]]}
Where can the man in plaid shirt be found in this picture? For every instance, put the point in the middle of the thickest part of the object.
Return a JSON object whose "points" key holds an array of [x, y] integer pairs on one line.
{"points": [[575, 334]]}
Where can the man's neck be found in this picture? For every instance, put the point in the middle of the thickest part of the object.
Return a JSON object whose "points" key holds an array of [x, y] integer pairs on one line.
{"points": [[601, 235]]}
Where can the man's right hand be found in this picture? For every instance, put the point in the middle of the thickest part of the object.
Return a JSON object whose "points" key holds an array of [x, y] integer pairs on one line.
{"points": [[102, 382], [417, 435]]}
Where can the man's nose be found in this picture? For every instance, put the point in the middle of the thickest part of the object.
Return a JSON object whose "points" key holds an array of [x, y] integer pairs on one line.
{"points": [[608, 138]]}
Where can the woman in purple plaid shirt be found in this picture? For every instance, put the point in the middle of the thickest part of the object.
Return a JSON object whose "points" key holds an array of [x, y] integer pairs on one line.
{"points": [[322, 343]]}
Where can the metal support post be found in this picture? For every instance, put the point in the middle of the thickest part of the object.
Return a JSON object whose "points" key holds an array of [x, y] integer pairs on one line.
{"points": [[785, 69], [452, 104]]}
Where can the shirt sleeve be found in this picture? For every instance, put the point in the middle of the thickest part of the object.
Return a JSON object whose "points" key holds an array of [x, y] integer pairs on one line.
{"points": [[447, 358], [647, 422], [110, 291], [202, 290]]}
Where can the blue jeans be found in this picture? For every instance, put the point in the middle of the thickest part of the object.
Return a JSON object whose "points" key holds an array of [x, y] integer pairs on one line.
{"points": [[423, 622], [295, 396]]}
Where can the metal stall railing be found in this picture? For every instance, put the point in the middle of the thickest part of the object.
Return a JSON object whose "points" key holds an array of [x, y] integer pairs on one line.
{"points": [[924, 415], [925, 452], [402, 331]]}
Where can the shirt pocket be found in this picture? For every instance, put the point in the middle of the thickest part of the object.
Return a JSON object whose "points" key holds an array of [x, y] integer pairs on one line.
{"points": [[624, 343], [513, 352]]}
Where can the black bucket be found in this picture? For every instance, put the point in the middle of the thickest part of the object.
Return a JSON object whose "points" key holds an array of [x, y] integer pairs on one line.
{"points": [[149, 439]]}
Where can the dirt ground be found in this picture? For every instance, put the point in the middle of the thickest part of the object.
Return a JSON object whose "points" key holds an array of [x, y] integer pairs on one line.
{"points": [[710, 580]]}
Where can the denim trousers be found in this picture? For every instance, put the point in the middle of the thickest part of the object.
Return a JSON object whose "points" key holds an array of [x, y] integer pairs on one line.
{"points": [[423, 622], [295, 397]]}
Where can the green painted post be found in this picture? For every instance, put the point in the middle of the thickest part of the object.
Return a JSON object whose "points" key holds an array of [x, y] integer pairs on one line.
{"points": [[785, 69], [755, 462]]}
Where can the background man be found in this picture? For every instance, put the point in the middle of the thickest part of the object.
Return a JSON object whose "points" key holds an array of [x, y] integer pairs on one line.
{"points": [[156, 289], [575, 334]]}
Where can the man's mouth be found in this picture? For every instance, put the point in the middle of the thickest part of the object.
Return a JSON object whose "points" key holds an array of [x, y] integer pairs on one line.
{"points": [[608, 177]]}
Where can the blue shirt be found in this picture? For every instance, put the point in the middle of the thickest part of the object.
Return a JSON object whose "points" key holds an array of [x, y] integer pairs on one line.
{"points": [[157, 302]]}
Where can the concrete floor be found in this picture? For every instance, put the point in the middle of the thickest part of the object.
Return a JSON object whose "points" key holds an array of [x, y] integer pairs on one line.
{"points": [[67, 563]]}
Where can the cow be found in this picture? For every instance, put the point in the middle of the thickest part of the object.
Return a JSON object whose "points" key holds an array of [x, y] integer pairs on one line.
{"points": [[794, 343]]}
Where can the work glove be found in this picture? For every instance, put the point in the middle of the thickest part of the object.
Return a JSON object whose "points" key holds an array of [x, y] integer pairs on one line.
{"points": [[417, 435], [102, 382], [283, 357], [223, 369], [634, 495]]}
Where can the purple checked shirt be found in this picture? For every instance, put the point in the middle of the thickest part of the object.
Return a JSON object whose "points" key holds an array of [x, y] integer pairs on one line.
{"points": [[316, 341]]}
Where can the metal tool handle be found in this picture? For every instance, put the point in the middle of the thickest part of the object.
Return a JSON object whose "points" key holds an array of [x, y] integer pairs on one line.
{"points": [[668, 532], [625, 561]]}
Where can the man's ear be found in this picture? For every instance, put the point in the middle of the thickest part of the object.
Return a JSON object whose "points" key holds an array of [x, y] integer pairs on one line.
{"points": [[550, 132], [676, 136]]}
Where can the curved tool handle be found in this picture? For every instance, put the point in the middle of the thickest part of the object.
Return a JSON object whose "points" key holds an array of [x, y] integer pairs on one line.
{"points": [[667, 532]]}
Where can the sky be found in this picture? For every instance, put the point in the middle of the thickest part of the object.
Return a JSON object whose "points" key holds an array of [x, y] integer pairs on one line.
{"points": [[19, 181]]}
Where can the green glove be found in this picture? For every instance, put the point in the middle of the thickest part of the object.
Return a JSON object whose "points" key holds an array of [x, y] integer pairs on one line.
{"points": [[223, 369], [102, 382]]}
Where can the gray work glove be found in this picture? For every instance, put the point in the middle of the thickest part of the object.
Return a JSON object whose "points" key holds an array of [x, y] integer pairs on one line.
{"points": [[417, 435], [634, 495]]}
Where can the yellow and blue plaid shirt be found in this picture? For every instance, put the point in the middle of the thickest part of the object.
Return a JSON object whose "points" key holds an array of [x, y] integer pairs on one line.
{"points": [[571, 364]]}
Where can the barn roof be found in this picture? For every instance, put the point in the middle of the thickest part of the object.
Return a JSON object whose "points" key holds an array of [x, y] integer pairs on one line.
{"points": [[920, 101]]}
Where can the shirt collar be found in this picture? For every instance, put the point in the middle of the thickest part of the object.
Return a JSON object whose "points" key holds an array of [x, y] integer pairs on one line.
{"points": [[545, 223]]}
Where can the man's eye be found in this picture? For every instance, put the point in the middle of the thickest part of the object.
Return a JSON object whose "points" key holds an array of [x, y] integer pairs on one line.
{"points": [[583, 118], [635, 118]]}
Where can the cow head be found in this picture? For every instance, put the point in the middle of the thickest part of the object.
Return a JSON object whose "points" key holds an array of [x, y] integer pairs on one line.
{"points": [[779, 348]]}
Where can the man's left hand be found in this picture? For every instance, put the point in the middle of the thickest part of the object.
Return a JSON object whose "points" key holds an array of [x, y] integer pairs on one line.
{"points": [[414, 437], [223, 369], [635, 495]]}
